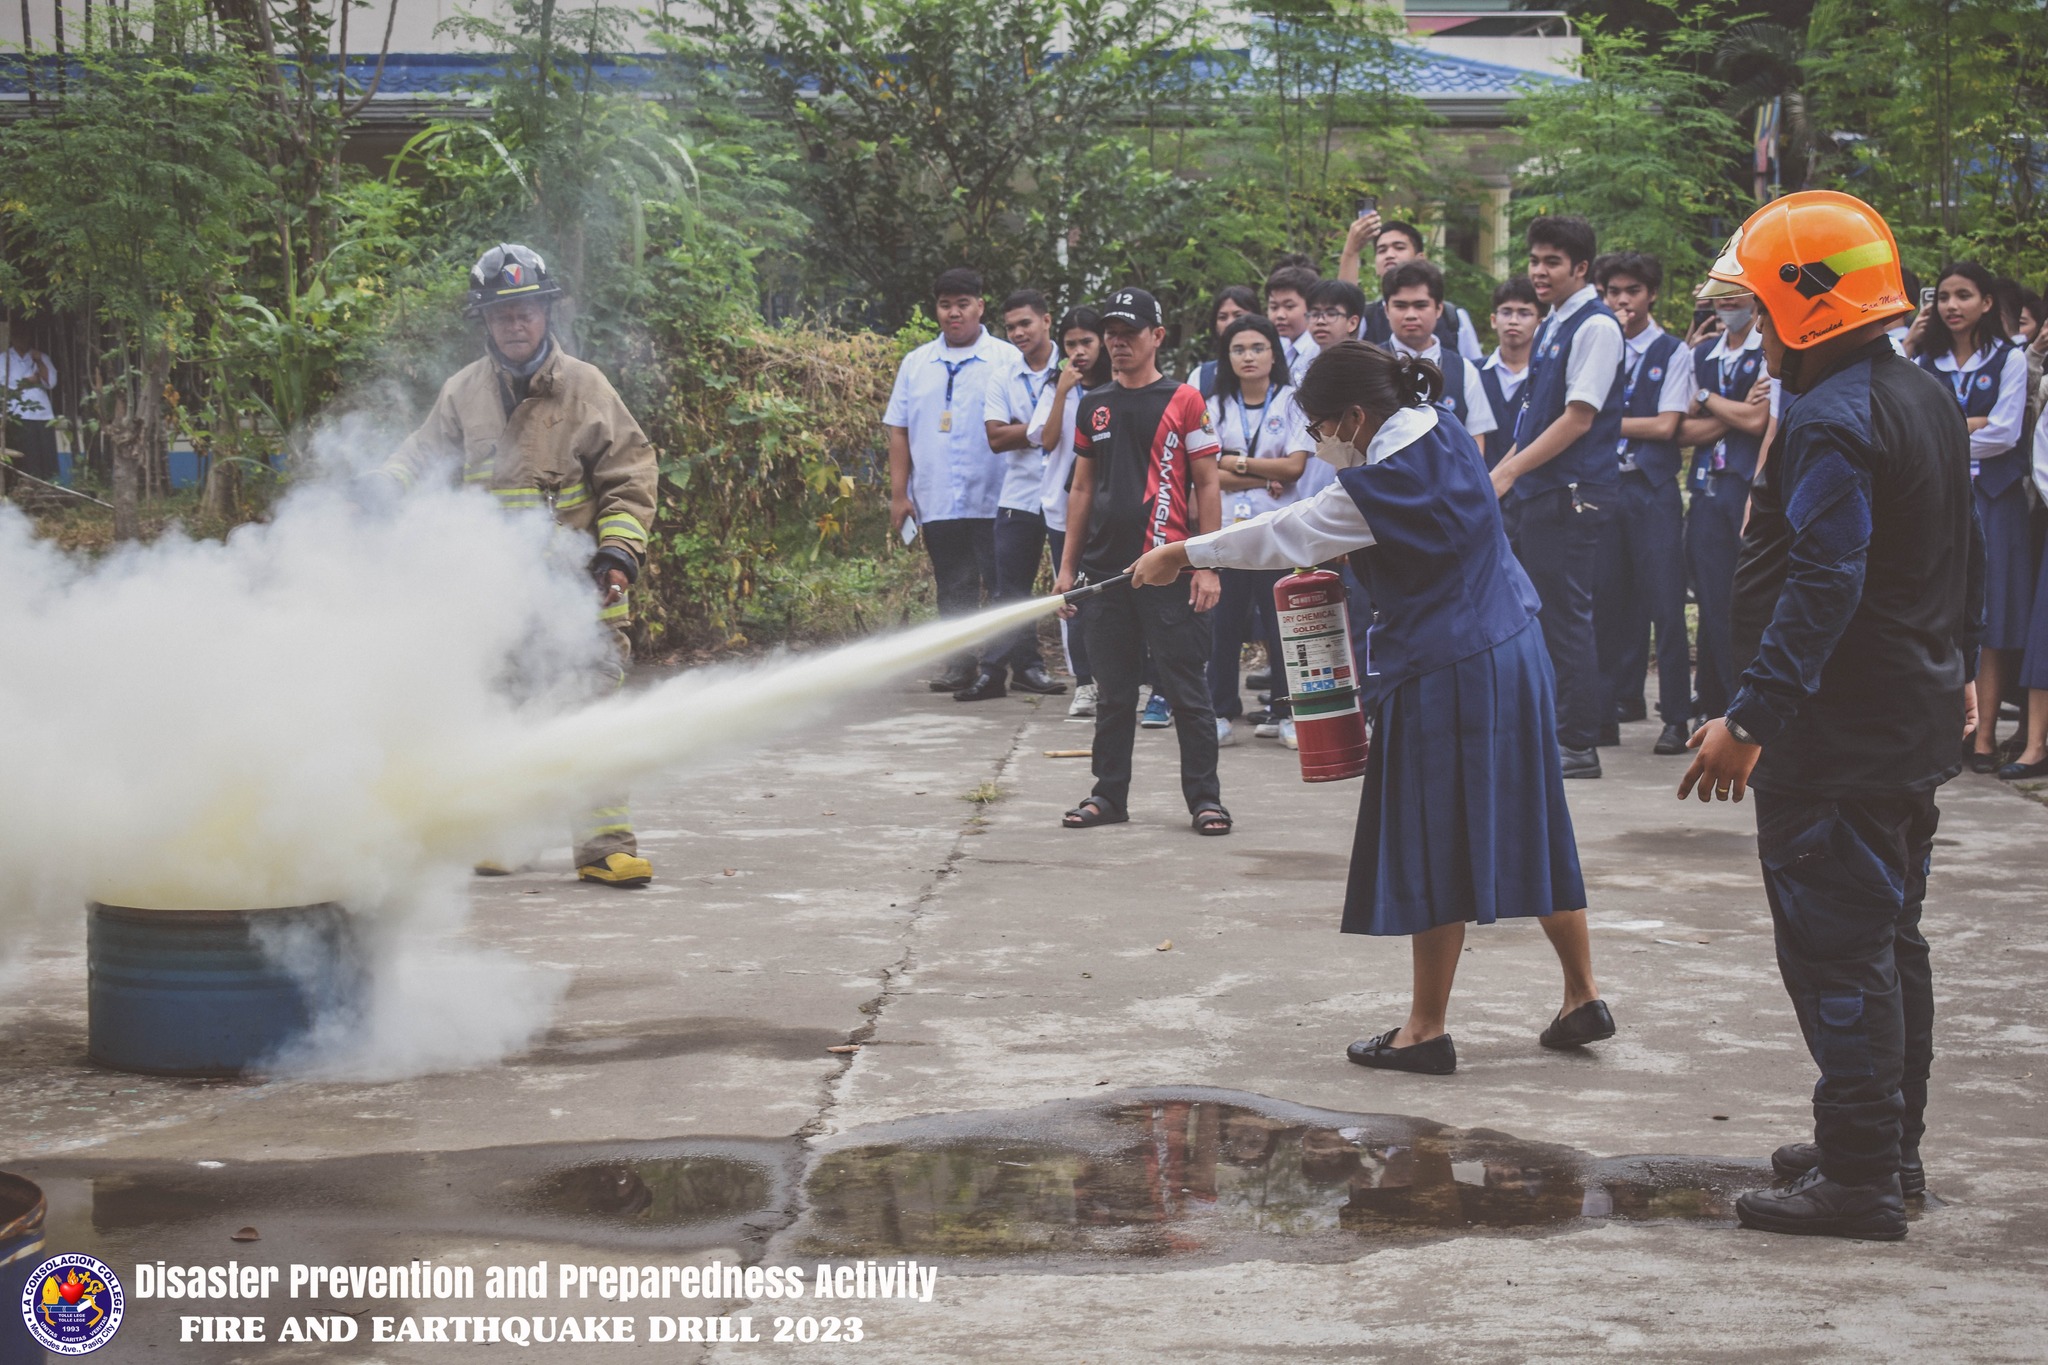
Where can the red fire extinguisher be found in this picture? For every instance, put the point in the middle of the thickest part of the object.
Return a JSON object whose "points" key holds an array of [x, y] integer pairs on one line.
{"points": [[1315, 649]]}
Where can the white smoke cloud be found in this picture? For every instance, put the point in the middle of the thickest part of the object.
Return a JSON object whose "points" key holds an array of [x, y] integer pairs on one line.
{"points": [[321, 709]]}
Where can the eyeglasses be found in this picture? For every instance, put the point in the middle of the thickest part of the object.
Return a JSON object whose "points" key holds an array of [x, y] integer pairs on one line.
{"points": [[1250, 352], [1327, 315]]}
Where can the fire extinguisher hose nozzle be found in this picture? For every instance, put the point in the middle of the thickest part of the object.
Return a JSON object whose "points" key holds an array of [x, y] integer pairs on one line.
{"points": [[1087, 589]]}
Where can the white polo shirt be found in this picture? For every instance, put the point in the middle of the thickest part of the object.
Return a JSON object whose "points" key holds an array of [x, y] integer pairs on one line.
{"points": [[1269, 432], [1299, 353], [1059, 461], [953, 473], [31, 395], [1013, 400], [2009, 414], [1595, 356], [1479, 415]]}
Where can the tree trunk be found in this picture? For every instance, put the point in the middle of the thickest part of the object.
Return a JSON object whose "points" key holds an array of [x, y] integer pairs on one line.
{"points": [[134, 432]]}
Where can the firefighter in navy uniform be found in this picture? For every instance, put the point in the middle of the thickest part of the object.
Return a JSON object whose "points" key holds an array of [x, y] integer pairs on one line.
{"points": [[1857, 606], [544, 431]]}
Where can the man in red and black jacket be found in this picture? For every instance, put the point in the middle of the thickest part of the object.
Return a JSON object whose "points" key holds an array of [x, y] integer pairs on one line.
{"points": [[1145, 476]]}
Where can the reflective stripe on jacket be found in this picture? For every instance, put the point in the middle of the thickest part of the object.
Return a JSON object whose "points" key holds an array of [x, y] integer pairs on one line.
{"points": [[570, 445]]}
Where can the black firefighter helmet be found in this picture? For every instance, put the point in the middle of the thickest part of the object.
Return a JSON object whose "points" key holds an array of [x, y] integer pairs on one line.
{"points": [[508, 272]]}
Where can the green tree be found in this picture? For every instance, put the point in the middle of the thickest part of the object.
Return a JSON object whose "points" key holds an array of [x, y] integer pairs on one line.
{"points": [[131, 201], [1642, 147]]}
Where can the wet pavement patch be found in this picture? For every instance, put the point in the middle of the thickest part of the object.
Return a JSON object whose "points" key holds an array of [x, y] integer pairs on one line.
{"points": [[1219, 1175], [1137, 1176]]}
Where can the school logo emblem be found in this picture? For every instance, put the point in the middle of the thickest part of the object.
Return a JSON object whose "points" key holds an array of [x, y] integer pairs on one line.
{"points": [[72, 1305], [1556, 349], [1100, 421], [1983, 381], [1656, 373]]}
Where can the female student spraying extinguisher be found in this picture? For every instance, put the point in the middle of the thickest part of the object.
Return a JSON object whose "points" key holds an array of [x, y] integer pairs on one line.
{"points": [[1463, 817], [1963, 343]]}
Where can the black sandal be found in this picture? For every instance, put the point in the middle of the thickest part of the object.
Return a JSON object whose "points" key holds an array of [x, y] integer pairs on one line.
{"points": [[1211, 819], [1092, 811]]}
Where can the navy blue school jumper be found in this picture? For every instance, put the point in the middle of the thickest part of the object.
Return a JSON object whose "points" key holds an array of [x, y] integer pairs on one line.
{"points": [[1641, 587], [1713, 523], [1463, 816], [1494, 444], [1998, 486], [1558, 510]]}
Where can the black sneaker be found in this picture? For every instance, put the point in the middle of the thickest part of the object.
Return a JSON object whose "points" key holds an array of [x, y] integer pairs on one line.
{"points": [[1815, 1206], [1795, 1159]]}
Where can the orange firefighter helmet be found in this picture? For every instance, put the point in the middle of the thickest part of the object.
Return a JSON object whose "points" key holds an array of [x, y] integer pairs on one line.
{"points": [[1820, 263]]}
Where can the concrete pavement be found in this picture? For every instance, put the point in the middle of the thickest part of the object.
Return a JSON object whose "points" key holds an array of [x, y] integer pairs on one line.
{"points": [[845, 886]]}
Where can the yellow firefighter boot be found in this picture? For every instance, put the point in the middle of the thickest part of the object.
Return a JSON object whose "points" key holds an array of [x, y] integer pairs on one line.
{"points": [[618, 869]]}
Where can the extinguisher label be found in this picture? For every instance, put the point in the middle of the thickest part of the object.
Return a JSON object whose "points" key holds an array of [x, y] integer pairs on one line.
{"points": [[1318, 656]]}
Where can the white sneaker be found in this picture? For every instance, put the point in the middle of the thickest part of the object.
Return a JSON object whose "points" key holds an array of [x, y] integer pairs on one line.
{"points": [[1267, 729], [1083, 703], [1287, 733], [1225, 736]]}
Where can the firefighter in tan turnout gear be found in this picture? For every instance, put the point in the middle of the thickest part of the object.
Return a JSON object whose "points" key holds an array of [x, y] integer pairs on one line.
{"points": [[543, 430]]}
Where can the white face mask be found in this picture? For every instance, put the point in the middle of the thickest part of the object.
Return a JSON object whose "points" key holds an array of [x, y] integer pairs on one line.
{"points": [[1339, 453], [1736, 319]]}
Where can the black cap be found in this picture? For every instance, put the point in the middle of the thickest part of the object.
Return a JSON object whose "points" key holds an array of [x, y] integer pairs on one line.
{"points": [[1134, 306]]}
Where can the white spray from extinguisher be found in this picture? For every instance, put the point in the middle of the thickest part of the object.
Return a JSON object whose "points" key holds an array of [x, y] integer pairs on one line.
{"points": [[1315, 649]]}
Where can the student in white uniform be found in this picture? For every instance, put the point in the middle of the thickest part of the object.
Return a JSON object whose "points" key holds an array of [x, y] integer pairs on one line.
{"points": [[1412, 298], [28, 378], [1264, 453], [1052, 430], [1287, 291], [1516, 316], [1231, 303]]}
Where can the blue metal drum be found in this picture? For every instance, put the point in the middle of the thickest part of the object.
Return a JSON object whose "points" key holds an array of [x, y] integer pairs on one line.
{"points": [[214, 992], [21, 1250]]}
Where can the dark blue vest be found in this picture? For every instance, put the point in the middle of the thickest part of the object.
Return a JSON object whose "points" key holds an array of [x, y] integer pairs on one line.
{"points": [[1444, 584], [1659, 460], [1494, 445], [1738, 450], [1205, 379], [1590, 459], [1978, 397], [1454, 401]]}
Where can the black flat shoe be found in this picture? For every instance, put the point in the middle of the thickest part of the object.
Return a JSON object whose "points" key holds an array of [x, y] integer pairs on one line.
{"points": [[1815, 1206], [986, 686], [1579, 762], [1672, 741], [1437, 1057], [1589, 1023], [2023, 772], [1034, 678], [1795, 1159], [951, 682], [1982, 762], [1626, 711]]}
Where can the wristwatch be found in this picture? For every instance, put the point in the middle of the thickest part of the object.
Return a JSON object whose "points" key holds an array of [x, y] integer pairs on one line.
{"points": [[1699, 400], [1739, 733], [1242, 466]]}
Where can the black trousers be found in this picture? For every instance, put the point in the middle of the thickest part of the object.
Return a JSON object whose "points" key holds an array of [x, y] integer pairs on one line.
{"points": [[1641, 591], [37, 444], [963, 555], [1846, 880], [1072, 631], [1557, 538], [1713, 540], [1233, 622], [1123, 624], [1019, 546]]}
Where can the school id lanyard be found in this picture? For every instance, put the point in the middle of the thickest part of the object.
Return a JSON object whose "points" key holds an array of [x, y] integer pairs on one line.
{"points": [[1031, 390], [1628, 392], [1248, 429], [953, 368]]}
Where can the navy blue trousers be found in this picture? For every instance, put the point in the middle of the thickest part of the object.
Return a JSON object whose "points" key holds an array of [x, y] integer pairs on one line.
{"points": [[1235, 619], [1713, 538], [1019, 546], [1641, 592], [1557, 538], [1846, 880]]}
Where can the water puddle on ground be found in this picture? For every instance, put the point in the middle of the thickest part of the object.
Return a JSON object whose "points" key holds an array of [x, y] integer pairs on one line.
{"points": [[1131, 1175], [1219, 1175]]}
